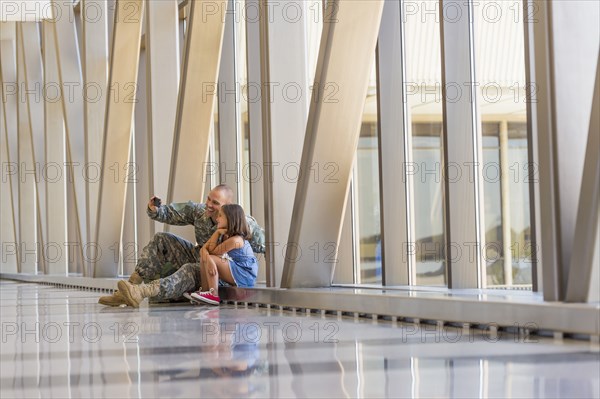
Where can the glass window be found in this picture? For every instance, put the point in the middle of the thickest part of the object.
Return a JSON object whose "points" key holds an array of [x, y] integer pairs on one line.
{"points": [[424, 95], [242, 86], [368, 222], [428, 204], [520, 218], [492, 203], [500, 72]]}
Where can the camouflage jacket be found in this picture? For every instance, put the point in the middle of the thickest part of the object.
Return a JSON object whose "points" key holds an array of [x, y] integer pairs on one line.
{"points": [[191, 213]]}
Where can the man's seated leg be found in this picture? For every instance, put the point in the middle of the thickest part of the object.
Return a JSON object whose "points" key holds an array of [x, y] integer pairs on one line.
{"points": [[163, 256], [172, 288], [135, 294]]}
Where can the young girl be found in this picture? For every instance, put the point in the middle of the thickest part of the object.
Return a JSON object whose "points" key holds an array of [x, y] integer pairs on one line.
{"points": [[227, 255]]}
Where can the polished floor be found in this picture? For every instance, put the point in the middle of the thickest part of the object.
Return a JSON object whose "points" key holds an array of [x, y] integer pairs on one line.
{"points": [[61, 343]]}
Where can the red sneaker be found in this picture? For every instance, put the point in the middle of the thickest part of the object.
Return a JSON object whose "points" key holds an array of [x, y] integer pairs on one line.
{"points": [[207, 297]]}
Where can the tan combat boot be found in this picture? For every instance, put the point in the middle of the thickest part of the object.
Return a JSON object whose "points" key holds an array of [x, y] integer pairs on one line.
{"points": [[135, 294], [116, 299], [135, 278]]}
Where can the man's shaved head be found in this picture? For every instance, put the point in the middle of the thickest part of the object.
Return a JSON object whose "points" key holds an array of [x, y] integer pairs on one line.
{"points": [[226, 191]]}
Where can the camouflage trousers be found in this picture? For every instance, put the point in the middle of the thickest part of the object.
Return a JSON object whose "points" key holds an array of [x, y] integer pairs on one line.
{"points": [[174, 261], [185, 279]]}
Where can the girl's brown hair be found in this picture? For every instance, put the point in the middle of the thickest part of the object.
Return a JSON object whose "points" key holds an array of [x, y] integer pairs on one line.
{"points": [[236, 220]]}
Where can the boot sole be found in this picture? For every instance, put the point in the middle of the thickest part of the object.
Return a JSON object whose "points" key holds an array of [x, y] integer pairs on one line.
{"points": [[111, 303], [127, 295]]}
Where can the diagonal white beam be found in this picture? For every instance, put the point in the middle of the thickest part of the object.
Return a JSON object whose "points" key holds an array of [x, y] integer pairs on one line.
{"points": [[464, 222], [394, 150], [127, 245], [228, 106], [584, 269], [34, 78], [55, 177], [345, 58], [94, 68], [195, 105], [117, 133], [255, 126], [26, 38], [162, 85], [254, 114], [284, 116], [8, 236], [561, 109], [69, 73], [10, 170], [138, 228]]}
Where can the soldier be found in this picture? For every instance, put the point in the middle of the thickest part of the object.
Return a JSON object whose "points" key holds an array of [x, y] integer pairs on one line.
{"points": [[169, 266]]}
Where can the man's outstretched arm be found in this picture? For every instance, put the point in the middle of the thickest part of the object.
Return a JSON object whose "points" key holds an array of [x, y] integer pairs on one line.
{"points": [[176, 213]]}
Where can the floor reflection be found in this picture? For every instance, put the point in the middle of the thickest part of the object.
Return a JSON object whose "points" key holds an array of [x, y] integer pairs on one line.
{"points": [[225, 348], [60, 343]]}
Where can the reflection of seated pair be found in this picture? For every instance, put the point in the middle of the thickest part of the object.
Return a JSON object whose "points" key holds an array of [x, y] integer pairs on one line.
{"points": [[232, 346], [227, 349]]}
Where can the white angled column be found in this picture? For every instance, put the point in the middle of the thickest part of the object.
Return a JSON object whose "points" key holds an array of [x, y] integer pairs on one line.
{"points": [[562, 109], [228, 106], [285, 95], [94, 68], [27, 37], [55, 177], [117, 132], [254, 112], [140, 171], [34, 95], [10, 156], [34, 77], [8, 237], [162, 85], [71, 84], [584, 268], [396, 185], [195, 105], [254, 170], [463, 184], [347, 46], [127, 249]]}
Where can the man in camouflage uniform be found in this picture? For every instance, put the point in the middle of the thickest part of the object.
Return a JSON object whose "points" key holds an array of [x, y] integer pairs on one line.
{"points": [[169, 266]]}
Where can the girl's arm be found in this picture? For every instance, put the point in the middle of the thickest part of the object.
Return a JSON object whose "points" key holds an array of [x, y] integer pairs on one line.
{"points": [[211, 244], [227, 245]]}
